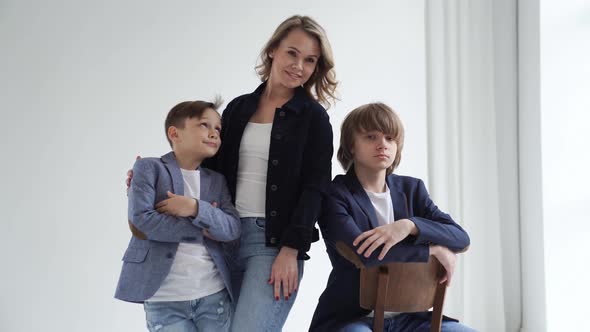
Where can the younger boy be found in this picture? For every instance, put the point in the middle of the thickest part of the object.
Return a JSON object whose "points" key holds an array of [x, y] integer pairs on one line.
{"points": [[385, 217], [179, 213]]}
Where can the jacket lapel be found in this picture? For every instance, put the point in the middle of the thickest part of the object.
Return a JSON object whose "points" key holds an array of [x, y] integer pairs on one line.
{"points": [[400, 202], [361, 197], [177, 183], [205, 185]]}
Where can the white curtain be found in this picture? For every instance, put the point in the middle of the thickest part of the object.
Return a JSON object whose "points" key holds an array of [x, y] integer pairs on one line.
{"points": [[473, 156]]}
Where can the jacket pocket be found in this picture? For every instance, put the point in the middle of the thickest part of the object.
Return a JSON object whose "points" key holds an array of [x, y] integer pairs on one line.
{"points": [[135, 255]]}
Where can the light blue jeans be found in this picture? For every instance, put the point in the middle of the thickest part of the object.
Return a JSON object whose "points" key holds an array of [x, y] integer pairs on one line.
{"points": [[251, 262], [209, 313], [404, 323]]}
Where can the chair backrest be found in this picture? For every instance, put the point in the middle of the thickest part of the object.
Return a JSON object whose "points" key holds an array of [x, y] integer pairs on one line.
{"points": [[400, 287], [411, 287]]}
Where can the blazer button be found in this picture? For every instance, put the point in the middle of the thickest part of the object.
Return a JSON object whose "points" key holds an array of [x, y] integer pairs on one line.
{"points": [[278, 136], [282, 113], [273, 213], [275, 162], [274, 187], [169, 255], [273, 240]]}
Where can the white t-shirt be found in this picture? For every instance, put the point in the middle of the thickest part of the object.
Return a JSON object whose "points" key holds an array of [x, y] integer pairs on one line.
{"points": [[383, 206], [193, 273], [251, 180]]}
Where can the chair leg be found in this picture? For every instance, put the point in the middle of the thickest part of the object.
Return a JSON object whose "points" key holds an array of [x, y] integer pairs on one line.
{"points": [[439, 300], [379, 313]]}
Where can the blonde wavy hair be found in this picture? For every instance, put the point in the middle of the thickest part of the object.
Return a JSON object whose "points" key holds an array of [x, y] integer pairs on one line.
{"points": [[323, 80]]}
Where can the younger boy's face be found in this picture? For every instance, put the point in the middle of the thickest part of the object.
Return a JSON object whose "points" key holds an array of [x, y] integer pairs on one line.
{"points": [[373, 150], [200, 136]]}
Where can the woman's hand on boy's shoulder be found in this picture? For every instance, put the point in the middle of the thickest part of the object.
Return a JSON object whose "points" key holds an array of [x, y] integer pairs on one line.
{"points": [[387, 235], [130, 176]]}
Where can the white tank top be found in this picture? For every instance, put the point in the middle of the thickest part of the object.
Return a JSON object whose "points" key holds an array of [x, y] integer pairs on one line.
{"points": [[252, 167]]}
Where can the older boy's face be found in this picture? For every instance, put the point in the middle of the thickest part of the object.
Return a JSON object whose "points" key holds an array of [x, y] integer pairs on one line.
{"points": [[373, 150], [200, 136]]}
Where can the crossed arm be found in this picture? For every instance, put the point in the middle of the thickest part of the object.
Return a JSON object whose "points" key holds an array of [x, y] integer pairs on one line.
{"points": [[177, 218], [406, 240]]}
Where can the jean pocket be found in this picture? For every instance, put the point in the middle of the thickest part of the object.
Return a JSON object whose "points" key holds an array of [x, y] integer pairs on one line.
{"points": [[218, 305], [260, 223], [159, 315]]}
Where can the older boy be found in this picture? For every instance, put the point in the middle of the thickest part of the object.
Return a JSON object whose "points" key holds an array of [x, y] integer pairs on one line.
{"points": [[388, 218]]}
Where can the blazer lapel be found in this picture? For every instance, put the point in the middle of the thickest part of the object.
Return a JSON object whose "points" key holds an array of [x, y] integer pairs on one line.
{"points": [[361, 197], [398, 198], [177, 183], [205, 185]]}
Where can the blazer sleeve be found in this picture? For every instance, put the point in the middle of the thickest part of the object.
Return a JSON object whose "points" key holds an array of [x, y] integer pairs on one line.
{"points": [[142, 214], [223, 221], [338, 225], [435, 226], [316, 175]]}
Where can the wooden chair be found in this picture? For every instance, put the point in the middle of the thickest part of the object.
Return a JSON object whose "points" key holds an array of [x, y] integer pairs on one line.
{"points": [[400, 287]]}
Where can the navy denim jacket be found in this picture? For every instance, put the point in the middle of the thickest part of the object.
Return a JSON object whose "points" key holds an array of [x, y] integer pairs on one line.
{"points": [[299, 164]]}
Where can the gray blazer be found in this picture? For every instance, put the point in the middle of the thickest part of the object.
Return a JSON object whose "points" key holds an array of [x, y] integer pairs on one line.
{"points": [[147, 261]]}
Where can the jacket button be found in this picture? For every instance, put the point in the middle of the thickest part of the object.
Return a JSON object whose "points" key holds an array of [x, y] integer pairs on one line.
{"points": [[275, 162], [278, 136], [273, 213], [274, 187], [273, 240], [282, 113], [169, 255]]}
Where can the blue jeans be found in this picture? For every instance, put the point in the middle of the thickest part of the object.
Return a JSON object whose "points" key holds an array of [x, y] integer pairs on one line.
{"points": [[404, 323], [209, 313], [251, 262]]}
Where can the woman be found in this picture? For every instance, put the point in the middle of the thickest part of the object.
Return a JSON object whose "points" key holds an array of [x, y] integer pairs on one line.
{"points": [[276, 155]]}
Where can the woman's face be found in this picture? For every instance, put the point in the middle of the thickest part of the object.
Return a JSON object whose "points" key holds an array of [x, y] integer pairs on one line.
{"points": [[295, 59]]}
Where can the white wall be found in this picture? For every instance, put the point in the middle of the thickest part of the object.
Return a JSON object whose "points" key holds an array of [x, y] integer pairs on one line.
{"points": [[86, 86], [565, 123]]}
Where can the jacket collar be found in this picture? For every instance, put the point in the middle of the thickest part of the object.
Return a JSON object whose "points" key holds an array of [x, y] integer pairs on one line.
{"points": [[398, 198], [297, 103]]}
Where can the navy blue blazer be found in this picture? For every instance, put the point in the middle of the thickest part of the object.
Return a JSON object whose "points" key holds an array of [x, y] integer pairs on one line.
{"points": [[299, 164], [146, 263], [347, 212]]}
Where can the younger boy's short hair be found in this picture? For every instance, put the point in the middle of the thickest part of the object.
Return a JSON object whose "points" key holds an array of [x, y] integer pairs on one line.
{"points": [[369, 117], [188, 110]]}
